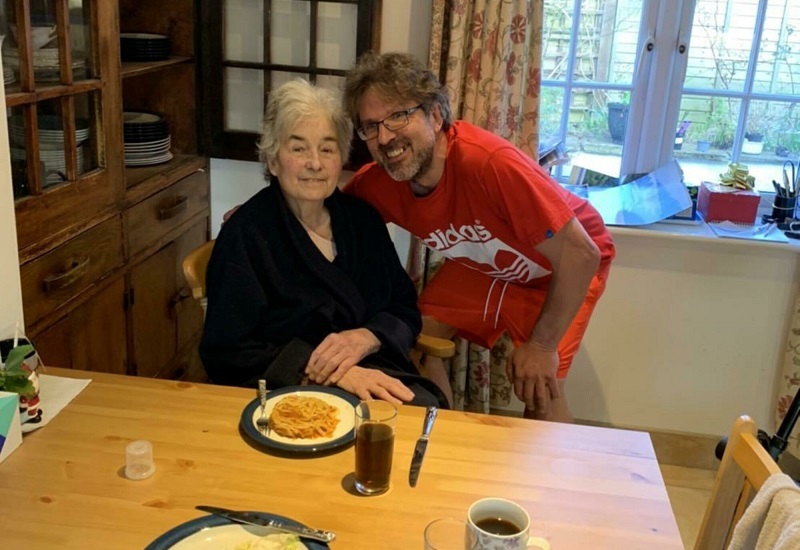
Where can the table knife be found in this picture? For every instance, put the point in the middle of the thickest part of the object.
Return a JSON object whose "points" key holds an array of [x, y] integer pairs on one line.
{"points": [[252, 518], [421, 446]]}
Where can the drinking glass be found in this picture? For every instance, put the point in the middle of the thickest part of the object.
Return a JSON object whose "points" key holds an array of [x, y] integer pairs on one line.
{"points": [[449, 534], [374, 424]]}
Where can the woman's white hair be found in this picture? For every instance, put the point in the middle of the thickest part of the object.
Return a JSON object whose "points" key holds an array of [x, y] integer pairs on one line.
{"points": [[294, 100]]}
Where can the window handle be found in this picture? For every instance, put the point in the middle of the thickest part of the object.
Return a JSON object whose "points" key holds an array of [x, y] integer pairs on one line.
{"points": [[682, 43]]}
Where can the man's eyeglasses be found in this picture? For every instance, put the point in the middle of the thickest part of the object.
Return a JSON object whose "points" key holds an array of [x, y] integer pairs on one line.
{"points": [[393, 122]]}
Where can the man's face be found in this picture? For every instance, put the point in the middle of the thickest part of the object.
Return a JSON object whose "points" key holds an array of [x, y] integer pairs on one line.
{"points": [[405, 153]]}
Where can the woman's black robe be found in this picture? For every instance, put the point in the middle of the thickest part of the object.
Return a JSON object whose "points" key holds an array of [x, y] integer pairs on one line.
{"points": [[273, 297]]}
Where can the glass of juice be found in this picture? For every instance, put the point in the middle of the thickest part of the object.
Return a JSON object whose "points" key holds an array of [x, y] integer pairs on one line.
{"points": [[374, 424]]}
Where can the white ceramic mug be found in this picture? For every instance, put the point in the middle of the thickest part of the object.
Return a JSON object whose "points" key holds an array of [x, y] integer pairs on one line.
{"points": [[508, 526]]}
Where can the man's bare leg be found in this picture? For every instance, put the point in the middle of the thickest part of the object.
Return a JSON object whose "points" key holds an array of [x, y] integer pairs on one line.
{"points": [[431, 367], [559, 410]]}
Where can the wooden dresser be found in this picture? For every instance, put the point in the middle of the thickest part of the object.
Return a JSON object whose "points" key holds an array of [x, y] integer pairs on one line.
{"points": [[100, 244]]}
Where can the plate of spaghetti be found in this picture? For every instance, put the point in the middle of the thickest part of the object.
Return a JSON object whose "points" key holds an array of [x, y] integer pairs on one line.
{"points": [[303, 419]]}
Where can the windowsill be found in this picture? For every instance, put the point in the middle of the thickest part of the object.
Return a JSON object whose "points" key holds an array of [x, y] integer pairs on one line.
{"points": [[697, 233]]}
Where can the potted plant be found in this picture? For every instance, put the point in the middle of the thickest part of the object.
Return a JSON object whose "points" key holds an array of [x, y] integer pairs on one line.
{"points": [[681, 133], [753, 143], [618, 119], [14, 377], [18, 374]]}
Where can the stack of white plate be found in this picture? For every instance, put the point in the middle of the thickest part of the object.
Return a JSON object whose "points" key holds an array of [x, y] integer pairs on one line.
{"points": [[55, 165], [147, 139], [147, 152], [51, 133], [8, 75], [51, 144]]}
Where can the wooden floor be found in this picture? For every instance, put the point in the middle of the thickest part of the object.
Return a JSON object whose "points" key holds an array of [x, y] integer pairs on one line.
{"points": [[689, 490]]}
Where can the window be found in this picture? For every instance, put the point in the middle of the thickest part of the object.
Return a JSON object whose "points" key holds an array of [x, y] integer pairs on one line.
{"points": [[254, 46], [722, 76]]}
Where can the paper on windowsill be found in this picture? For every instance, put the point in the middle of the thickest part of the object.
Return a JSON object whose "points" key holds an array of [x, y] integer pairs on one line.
{"points": [[55, 393], [645, 200], [764, 232]]}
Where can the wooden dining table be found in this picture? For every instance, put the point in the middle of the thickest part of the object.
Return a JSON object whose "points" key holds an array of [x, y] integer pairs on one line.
{"points": [[65, 486]]}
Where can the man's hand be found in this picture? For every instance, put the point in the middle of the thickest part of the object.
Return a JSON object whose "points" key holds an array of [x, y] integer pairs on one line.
{"points": [[337, 354], [532, 370], [373, 384]]}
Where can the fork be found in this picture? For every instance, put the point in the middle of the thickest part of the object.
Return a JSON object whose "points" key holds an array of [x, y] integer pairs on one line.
{"points": [[262, 422]]}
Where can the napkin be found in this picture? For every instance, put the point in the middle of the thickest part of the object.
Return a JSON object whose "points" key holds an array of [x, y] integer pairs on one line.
{"points": [[55, 393]]}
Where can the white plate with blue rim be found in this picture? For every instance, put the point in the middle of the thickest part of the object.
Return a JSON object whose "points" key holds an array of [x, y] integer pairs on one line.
{"points": [[212, 532], [342, 435]]}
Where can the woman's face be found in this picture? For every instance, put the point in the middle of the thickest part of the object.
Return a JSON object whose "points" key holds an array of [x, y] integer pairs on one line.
{"points": [[309, 161]]}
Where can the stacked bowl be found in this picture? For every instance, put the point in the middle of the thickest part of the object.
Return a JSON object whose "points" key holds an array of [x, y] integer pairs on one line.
{"points": [[147, 139]]}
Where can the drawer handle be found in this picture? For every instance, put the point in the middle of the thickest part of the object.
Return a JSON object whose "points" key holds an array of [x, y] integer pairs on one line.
{"points": [[176, 208], [58, 281]]}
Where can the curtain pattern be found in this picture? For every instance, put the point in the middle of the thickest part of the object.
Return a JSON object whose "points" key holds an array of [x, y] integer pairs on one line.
{"points": [[790, 380], [487, 53]]}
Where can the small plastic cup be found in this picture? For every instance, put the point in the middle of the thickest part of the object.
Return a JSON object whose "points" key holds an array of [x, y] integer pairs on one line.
{"points": [[139, 460]]}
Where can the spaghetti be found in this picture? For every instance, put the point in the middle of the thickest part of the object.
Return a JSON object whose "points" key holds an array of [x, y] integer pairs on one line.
{"points": [[299, 417]]}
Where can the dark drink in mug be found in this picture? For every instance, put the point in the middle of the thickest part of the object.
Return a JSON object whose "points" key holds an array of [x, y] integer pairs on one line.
{"points": [[374, 423]]}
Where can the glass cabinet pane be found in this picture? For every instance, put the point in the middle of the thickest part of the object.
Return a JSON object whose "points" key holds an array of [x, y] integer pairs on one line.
{"points": [[337, 31], [290, 32], [244, 30]]}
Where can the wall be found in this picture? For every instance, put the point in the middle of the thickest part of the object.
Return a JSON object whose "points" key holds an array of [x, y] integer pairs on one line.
{"points": [[11, 293], [688, 335]]}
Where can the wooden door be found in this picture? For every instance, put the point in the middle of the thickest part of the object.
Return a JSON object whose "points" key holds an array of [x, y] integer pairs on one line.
{"points": [[165, 321], [91, 337]]}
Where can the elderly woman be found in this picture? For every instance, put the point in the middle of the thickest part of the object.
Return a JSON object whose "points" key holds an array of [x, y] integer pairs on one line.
{"points": [[304, 284]]}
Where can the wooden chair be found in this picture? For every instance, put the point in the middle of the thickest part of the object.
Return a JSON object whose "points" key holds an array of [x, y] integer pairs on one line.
{"points": [[194, 269], [745, 467]]}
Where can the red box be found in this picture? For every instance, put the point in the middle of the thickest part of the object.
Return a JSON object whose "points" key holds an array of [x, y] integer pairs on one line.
{"points": [[719, 203]]}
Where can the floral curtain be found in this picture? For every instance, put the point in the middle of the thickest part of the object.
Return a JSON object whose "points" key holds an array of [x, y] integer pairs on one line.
{"points": [[488, 55], [790, 380]]}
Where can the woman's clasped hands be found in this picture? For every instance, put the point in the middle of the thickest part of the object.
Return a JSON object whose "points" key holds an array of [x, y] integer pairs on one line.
{"points": [[335, 362]]}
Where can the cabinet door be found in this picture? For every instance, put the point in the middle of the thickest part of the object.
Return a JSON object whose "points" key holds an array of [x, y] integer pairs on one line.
{"points": [[91, 337], [164, 318], [61, 68]]}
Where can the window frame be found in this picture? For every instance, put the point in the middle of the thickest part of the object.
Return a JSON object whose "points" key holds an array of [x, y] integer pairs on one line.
{"points": [[657, 86], [213, 138]]}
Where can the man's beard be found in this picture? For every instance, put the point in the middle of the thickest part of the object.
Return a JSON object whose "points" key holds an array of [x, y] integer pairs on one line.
{"points": [[411, 171]]}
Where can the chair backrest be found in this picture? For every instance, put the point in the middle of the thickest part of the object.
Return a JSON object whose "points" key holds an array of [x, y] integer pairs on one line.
{"points": [[745, 467], [194, 269]]}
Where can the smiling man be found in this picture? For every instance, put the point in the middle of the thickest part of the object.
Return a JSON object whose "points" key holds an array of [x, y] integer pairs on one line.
{"points": [[524, 255]]}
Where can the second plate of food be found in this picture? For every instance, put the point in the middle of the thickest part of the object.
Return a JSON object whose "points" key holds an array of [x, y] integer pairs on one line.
{"points": [[308, 419]]}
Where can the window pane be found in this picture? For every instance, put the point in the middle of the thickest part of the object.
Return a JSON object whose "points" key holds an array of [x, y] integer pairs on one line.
{"points": [[86, 138], [244, 99], [290, 32], [17, 130], [80, 43], [722, 36], [331, 82], [244, 30], [596, 130], [336, 35], [277, 78], [708, 141], [607, 40], [778, 67], [556, 31]]}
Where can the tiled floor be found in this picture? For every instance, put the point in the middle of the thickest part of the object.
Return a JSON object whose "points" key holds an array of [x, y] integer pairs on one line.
{"points": [[689, 490]]}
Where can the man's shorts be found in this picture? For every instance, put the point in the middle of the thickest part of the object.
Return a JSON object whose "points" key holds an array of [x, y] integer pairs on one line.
{"points": [[482, 308]]}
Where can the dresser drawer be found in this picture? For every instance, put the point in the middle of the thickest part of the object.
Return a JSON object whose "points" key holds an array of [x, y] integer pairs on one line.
{"points": [[58, 276], [166, 210]]}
